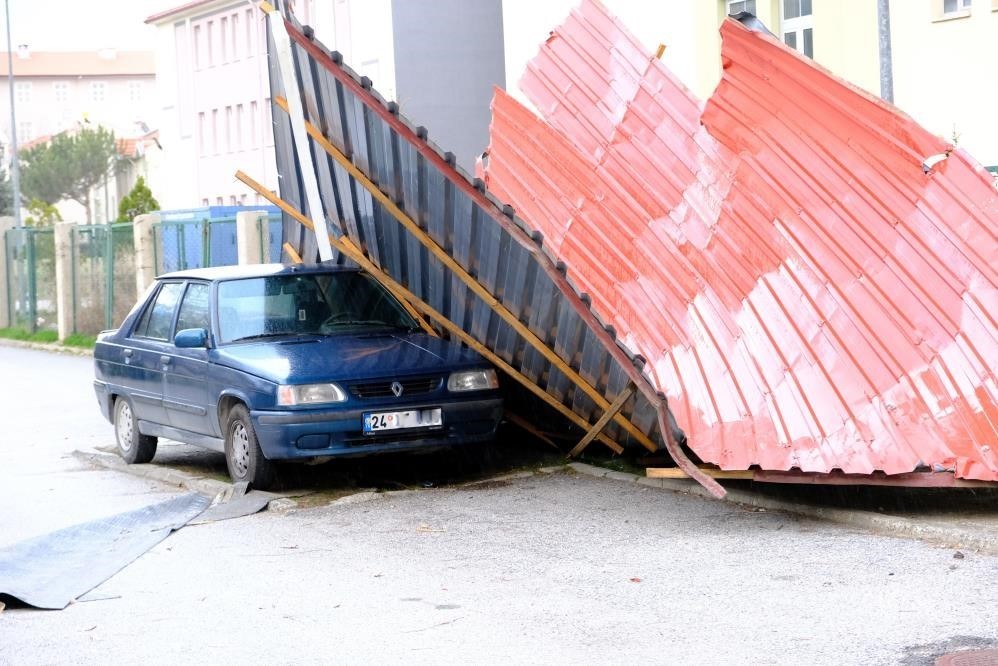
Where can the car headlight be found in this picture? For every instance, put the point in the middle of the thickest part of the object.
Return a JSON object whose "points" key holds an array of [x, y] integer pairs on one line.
{"points": [[472, 380], [309, 394]]}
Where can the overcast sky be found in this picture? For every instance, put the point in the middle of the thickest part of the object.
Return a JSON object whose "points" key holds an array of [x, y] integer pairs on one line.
{"points": [[75, 25]]}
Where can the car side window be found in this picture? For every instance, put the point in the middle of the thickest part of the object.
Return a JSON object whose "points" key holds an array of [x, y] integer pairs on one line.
{"points": [[194, 309], [158, 317]]}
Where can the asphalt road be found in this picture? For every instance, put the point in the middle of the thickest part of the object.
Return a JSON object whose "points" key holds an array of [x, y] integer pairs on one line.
{"points": [[547, 569]]}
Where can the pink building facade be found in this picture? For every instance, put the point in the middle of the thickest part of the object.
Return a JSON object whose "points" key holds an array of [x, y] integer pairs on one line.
{"points": [[214, 102]]}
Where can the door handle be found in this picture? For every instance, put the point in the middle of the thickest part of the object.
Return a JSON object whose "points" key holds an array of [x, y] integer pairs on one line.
{"points": [[164, 359], [127, 353]]}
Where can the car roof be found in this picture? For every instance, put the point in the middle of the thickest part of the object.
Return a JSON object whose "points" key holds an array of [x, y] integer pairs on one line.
{"points": [[254, 270]]}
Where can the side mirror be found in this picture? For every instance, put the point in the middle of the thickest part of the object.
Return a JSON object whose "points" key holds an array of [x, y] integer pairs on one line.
{"points": [[191, 338]]}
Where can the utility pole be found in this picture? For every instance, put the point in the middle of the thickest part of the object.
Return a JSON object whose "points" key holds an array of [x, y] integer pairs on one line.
{"points": [[15, 178], [886, 58]]}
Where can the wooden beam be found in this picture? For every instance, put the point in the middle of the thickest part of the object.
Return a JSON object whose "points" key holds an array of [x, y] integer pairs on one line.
{"points": [[462, 274], [526, 425], [611, 411], [295, 257], [676, 473], [344, 245]]}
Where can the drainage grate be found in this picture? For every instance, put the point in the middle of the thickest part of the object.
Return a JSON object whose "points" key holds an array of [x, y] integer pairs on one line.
{"points": [[988, 657]]}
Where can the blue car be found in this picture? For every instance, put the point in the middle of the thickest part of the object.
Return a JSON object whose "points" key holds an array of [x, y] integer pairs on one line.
{"points": [[277, 363]]}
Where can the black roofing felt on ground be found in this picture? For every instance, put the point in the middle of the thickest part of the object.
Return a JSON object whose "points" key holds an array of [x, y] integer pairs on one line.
{"points": [[52, 570]]}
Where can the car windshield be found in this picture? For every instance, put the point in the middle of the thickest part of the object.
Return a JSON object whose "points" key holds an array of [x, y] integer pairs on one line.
{"points": [[309, 304]]}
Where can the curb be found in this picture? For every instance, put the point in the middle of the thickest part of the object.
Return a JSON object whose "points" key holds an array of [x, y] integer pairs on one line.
{"points": [[46, 346], [865, 520], [170, 477]]}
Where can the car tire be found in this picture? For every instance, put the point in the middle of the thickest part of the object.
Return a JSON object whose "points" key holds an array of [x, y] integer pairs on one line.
{"points": [[243, 456], [133, 446]]}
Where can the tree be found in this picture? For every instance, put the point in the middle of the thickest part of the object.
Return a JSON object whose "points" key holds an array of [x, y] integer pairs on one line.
{"points": [[69, 166], [137, 202], [6, 194], [41, 214]]}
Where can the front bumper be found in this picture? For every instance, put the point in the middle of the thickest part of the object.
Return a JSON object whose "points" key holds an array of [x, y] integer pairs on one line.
{"points": [[289, 435]]}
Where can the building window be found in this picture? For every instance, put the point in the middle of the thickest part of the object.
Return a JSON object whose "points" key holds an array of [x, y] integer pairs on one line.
{"points": [[236, 51], [249, 33], [209, 50], [198, 49], [239, 127], [228, 129], [798, 26], [219, 201], [254, 124], [22, 92], [223, 39], [202, 134], [214, 131], [25, 132], [739, 6], [60, 89], [135, 91], [98, 91], [956, 6], [204, 203]]}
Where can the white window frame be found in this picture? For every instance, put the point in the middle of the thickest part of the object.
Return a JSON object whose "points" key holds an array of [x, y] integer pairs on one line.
{"points": [[797, 26], [741, 6], [962, 8]]}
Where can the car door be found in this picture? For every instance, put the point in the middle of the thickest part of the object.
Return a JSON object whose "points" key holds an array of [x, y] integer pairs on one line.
{"points": [[186, 388], [146, 351]]}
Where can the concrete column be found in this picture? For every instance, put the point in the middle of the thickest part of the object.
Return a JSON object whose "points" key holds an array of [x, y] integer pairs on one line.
{"points": [[64, 278], [145, 251], [5, 224], [252, 237]]}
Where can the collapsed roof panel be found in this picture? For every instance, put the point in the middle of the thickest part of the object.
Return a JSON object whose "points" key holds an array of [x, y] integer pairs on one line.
{"points": [[399, 207], [810, 273]]}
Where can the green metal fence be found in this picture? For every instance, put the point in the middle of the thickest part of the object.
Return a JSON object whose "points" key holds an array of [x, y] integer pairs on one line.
{"points": [[30, 265], [103, 276]]}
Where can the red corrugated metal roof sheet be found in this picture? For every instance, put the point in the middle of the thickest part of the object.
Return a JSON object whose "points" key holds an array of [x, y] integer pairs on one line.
{"points": [[807, 296]]}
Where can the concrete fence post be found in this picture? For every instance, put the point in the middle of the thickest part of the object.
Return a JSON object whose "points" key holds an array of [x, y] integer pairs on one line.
{"points": [[252, 237], [6, 223], [64, 278], [145, 251]]}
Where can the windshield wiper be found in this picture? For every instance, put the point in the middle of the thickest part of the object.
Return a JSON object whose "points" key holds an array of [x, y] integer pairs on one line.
{"points": [[260, 336], [364, 322]]}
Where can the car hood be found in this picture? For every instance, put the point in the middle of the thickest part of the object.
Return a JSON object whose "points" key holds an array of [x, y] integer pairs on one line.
{"points": [[346, 357]]}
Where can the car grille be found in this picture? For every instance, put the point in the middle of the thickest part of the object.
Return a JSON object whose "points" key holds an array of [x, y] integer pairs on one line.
{"points": [[383, 388]]}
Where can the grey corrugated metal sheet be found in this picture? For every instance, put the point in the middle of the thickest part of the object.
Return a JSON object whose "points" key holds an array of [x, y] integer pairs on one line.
{"points": [[470, 225]]}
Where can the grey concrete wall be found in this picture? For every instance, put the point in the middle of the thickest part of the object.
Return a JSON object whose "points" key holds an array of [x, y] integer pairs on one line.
{"points": [[448, 56]]}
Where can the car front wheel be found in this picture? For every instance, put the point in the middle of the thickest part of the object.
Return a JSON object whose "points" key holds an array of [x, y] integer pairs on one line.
{"points": [[242, 452], [133, 446]]}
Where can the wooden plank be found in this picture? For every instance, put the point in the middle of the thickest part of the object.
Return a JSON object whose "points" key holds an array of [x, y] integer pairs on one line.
{"points": [[344, 245], [295, 257], [615, 407], [526, 425], [676, 473], [462, 274]]}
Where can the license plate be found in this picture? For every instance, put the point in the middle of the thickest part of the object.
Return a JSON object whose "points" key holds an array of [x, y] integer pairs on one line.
{"points": [[415, 418]]}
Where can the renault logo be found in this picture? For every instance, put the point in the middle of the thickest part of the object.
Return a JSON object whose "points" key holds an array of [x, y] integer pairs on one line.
{"points": [[397, 389]]}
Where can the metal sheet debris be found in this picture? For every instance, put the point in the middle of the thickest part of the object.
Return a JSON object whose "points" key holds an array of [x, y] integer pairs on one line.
{"points": [[810, 274], [52, 570]]}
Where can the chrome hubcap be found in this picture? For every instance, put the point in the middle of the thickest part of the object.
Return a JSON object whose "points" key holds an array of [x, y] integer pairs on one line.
{"points": [[240, 449], [123, 427]]}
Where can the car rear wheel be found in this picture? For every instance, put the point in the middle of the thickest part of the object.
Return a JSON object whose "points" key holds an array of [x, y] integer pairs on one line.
{"points": [[133, 446], [243, 456]]}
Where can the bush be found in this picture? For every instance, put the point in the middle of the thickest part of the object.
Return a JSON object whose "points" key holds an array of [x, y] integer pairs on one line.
{"points": [[137, 202]]}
